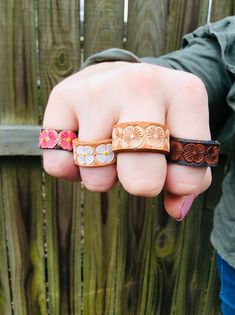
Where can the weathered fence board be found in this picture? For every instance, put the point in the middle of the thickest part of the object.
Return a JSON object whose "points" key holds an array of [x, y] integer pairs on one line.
{"points": [[147, 27], [103, 27], [66, 250], [5, 292], [59, 56], [18, 87], [18, 90], [101, 30], [19, 140]]}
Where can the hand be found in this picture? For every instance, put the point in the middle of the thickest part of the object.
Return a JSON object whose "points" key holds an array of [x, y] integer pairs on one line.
{"points": [[96, 98]]}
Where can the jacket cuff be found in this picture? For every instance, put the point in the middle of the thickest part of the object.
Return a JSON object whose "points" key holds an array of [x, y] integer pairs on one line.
{"points": [[109, 55]]}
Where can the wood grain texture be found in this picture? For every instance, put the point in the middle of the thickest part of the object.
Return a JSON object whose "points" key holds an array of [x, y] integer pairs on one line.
{"points": [[221, 9], [59, 56], [59, 42], [16, 236], [32, 209], [147, 27], [75, 266], [18, 85], [19, 140], [18, 102], [183, 18], [100, 252], [103, 27], [5, 287]]}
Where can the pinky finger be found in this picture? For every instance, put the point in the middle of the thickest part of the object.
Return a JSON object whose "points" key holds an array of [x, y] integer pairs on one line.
{"points": [[178, 206]]}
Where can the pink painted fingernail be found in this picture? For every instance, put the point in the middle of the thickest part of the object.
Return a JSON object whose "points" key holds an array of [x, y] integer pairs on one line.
{"points": [[186, 206]]}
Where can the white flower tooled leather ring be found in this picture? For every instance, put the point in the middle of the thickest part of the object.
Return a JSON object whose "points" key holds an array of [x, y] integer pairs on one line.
{"points": [[189, 152], [142, 136], [57, 139], [93, 153]]}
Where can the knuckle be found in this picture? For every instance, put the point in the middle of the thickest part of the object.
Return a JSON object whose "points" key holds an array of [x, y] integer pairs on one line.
{"points": [[207, 181], [184, 186], [56, 169], [142, 187], [57, 90], [194, 86], [95, 182], [143, 75]]}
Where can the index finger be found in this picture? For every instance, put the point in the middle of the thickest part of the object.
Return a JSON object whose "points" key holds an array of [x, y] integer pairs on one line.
{"points": [[60, 115]]}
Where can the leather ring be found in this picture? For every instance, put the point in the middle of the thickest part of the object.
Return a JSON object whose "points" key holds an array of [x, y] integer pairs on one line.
{"points": [[189, 152], [57, 139], [93, 154], [141, 136]]}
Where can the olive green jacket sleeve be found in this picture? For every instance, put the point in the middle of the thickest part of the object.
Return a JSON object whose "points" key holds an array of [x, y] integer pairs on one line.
{"points": [[209, 53]]}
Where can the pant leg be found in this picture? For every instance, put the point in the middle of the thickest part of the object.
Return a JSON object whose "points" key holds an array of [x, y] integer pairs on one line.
{"points": [[227, 289]]}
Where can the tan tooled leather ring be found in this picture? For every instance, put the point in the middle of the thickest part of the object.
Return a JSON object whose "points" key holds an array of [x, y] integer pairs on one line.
{"points": [[189, 152], [93, 153], [140, 136]]}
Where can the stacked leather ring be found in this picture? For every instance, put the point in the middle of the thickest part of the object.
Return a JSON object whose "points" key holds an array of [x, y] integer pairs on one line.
{"points": [[141, 136], [56, 139], [198, 153], [93, 154], [138, 136]]}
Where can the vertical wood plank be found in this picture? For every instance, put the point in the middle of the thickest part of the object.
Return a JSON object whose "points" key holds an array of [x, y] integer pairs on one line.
{"points": [[16, 237], [147, 27], [18, 87], [103, 27], [59, 42], [59, 56], [18, 105], [100, 252], [76, 240], [137, 224], [221, 9], [183, 18], [32, 209], [5, 291], [203, 11]]}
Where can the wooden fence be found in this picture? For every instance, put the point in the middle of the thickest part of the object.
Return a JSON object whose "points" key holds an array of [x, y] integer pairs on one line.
{"points": [[67, 251]]}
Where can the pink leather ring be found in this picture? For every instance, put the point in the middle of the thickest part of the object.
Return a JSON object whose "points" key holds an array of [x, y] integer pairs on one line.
{"points": [[57, 139]]}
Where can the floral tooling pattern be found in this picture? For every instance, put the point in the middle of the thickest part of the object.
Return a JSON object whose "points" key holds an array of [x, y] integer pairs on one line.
{"points": [[193, 153], [149, 137], [93, 155], [56, 139]]}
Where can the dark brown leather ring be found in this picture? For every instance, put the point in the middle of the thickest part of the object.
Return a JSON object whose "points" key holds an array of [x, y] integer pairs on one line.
{"points": [[189, 152]]}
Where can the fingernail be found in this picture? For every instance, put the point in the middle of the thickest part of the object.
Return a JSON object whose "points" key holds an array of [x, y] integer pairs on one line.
{"points": [[186, 206]]}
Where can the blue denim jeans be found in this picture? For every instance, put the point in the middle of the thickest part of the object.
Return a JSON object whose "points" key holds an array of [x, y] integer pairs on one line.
{"points": [[227, 288]]}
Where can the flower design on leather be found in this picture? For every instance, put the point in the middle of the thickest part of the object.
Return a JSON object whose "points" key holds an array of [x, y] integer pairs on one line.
{"points": [[104, 153], [56, 139], [85, 154], [155, 136], [116, 136], [133, 137], [212, 154], [194, 152], [48, 139], [176, 150], [202, 153], [65, 139]]}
